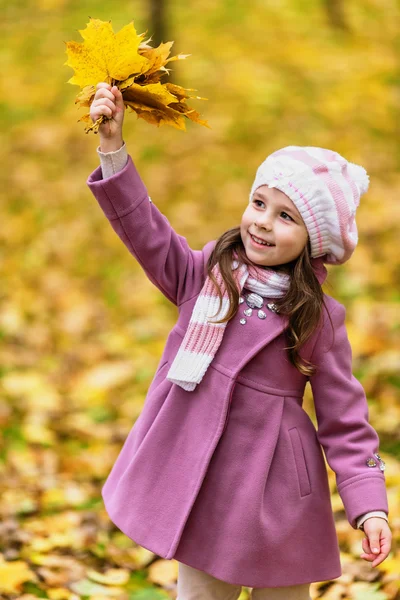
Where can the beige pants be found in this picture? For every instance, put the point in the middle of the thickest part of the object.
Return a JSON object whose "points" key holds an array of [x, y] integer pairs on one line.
{"points": [[197, 585]]}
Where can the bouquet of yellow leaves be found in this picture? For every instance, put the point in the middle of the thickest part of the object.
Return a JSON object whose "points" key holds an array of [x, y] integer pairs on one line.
{"points": [[136, 68]]}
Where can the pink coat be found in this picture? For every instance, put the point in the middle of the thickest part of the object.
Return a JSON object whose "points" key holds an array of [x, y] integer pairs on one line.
{"points": [[230, 478]]}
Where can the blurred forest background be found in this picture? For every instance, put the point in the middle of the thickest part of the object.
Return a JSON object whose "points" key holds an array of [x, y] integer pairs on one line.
{"points": [[81, 327]]}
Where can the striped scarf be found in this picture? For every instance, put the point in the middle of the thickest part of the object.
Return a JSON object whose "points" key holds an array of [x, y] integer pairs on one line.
{"points": [[203, 338]]}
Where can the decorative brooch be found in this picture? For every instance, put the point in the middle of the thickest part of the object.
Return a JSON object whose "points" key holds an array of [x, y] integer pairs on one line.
{"points": [[253, 301], [371, 462]]}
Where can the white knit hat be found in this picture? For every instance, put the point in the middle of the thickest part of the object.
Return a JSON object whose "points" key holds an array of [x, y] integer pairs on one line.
{"points": [[326, 190]]}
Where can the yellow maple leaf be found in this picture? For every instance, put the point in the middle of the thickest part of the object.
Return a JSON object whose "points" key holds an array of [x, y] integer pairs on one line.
{"points": [[125, 60], [13, 574]]}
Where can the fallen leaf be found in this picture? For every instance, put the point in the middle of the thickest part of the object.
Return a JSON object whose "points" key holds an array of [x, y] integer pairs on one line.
{"points": [[13, 574]]}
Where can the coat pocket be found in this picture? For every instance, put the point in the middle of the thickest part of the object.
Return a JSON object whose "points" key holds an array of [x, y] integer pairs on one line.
{"points": [[300, 461]]}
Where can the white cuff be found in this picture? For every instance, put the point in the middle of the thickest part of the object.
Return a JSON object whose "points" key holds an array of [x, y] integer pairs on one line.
{"points": [[373, 513], [112, 162]]}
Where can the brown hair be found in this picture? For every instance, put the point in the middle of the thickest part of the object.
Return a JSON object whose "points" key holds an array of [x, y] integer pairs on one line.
{"points": [[302, 302]]}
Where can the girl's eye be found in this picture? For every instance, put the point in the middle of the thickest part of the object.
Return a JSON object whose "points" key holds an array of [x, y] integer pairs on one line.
{"points": [[282, 213]]}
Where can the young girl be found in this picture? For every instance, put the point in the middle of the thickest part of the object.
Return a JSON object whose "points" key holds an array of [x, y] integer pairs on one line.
{"points": [[223, 470]]}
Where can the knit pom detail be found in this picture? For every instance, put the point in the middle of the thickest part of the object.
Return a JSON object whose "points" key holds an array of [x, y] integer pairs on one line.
{"points": [[360, 176]]}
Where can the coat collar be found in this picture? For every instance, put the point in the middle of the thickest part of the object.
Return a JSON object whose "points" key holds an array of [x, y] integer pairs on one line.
{"points": [[276, 323]]}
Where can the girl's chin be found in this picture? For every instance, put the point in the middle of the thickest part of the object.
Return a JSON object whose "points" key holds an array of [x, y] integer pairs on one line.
{"points": [[263, 253], [257, 260]]}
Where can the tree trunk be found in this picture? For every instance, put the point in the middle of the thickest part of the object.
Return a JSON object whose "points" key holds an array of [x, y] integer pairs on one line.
{"points": [[336, 17], [157, 20], [160, 31]]}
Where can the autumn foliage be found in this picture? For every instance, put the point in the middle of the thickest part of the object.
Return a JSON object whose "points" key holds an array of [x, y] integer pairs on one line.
{"points": [[82, 328], [136, 68]]}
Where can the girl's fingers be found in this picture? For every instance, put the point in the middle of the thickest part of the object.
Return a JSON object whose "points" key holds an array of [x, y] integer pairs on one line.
{"points": [[105, 102], [103, 84], [113, 94], [385, 545], [103, 93], [378, 559], [373, 557], [367, 555], [106, 110], [366, 546]]}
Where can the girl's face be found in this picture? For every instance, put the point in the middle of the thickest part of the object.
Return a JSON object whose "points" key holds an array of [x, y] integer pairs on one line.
{"points": [[273, 217]]}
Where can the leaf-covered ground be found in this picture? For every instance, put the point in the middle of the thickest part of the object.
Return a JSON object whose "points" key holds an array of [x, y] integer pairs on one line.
{"points": [[82, 329]]}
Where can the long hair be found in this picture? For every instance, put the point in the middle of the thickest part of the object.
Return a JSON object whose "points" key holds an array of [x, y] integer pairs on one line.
{"points": [[302, 302]]}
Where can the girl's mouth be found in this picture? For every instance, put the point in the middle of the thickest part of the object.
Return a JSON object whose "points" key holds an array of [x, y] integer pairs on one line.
{"points": [[258, 244]]}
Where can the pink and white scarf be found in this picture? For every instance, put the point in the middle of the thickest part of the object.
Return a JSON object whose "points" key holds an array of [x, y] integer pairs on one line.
{"points": [[203, 338]]}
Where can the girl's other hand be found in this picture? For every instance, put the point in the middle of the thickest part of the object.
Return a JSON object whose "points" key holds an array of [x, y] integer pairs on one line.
{"points": [[108, 101], [379, 536]]}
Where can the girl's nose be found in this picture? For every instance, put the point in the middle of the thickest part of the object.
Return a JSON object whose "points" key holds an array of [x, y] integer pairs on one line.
{"points": [[264, 221]]}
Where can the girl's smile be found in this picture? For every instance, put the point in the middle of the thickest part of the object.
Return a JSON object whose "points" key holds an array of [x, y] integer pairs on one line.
{"points": [[272, 229], [259, 244]]}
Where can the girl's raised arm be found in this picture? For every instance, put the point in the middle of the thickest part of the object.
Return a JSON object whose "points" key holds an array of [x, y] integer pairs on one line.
{"points": [[169, 262]]}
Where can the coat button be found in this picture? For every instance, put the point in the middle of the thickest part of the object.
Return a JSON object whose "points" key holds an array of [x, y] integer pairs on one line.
{"points": [[272, 306]]}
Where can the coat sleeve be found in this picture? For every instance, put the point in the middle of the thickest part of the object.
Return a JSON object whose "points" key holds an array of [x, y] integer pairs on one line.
{"points": [[344, 431], [165, 256]]}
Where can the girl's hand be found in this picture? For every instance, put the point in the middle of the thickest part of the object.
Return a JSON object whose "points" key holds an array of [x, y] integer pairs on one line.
{"points": [[378, 535], [108, 101]]}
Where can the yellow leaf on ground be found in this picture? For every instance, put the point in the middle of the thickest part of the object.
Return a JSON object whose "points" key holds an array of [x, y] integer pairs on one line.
{"points": [[13, 574]]}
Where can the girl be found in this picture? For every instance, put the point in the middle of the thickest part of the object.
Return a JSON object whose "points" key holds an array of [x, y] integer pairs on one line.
{"points": [[223, 470]]}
